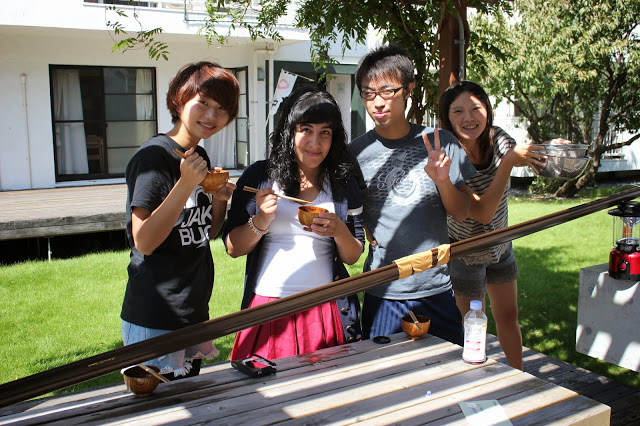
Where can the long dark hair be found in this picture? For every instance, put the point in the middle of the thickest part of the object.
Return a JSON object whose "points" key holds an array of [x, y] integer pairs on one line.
{"points": [[309, 105], [450, 95]]}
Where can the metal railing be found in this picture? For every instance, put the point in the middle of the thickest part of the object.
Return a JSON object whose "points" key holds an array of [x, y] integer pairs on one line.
{"points": [[194, 10]]}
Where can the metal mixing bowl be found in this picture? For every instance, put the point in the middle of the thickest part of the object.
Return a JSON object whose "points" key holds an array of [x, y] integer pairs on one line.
{"points": [[574, 150], [564, 167]]}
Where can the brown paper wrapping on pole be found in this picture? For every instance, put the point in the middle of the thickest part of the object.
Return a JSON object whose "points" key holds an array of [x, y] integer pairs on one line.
{"points": [[419, 262]]}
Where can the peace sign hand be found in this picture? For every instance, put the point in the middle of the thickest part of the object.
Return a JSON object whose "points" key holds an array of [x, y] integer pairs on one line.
{"points": [[438, 163]]}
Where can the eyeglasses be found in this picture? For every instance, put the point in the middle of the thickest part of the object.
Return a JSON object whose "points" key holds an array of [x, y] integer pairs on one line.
{"points": [[369, 95]]}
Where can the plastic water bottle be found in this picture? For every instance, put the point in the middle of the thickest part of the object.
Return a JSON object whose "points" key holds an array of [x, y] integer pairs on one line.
{"points": [[475, 334]]}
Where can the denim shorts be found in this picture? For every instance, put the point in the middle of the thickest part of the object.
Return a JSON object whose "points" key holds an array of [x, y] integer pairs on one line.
{"points": [[469, 281], [178, 363]]}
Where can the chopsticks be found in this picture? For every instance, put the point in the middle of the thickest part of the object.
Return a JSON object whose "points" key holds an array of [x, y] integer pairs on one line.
{"points": [[179, 153], [254, 190], [297, 200], [154, 374], [415, 320]]}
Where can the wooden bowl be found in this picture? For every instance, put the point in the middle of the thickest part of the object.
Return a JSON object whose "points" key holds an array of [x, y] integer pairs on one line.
{"points": [[138, 381], [214, 180], [306, 214], [415, 331]]}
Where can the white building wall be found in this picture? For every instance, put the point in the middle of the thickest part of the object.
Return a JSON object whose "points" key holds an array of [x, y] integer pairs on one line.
{"points": [[39, 33], [62, 47]]}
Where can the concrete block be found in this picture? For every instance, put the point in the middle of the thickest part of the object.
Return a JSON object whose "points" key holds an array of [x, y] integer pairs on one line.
{"points": [[608, 319]]}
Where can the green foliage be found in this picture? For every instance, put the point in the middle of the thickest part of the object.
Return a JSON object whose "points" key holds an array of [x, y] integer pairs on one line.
{"points": [[543, 185], [143, 39], [415, 25], [572, 67]]}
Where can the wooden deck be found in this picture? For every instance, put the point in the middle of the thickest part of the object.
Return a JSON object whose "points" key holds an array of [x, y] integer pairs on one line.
{"points": [[62, 211], [54, 212], [623, 400]]}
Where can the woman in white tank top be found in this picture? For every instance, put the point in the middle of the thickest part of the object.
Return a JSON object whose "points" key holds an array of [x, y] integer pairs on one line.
{"points": [[308, 160]]}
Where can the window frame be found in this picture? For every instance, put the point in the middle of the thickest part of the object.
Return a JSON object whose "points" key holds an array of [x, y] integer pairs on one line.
{"points": [[101, 123]]}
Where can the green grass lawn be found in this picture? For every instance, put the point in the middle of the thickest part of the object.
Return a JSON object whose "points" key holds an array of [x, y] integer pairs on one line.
{"points": [[57, 312]]}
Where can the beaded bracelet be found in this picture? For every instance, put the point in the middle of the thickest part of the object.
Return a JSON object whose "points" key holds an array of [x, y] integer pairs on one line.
{"points": [[255, 229]]}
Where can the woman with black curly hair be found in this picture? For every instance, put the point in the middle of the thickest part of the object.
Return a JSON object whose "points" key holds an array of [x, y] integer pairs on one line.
{"points": [[308, 160]]}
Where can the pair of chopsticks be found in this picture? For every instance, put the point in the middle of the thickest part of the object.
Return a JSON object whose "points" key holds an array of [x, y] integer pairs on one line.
{"points": [[415, 320], [179, 153], [297, 200], [154, 374]]}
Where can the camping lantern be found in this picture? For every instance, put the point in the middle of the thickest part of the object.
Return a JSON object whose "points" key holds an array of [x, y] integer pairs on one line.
{"points": [[624, 258]]}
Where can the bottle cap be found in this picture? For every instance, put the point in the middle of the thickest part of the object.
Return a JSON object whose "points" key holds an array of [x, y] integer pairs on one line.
{"points": [[476, 304]]}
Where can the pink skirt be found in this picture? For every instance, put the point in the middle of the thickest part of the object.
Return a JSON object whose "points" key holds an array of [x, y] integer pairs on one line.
{"points": [[315, 328]]}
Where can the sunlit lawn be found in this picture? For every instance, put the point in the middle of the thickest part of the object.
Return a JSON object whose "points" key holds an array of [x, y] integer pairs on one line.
{"points": [[57, 312]]}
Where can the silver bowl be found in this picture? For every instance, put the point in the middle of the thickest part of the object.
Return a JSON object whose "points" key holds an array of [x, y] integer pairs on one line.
{"points": [[563, 167], [573, 150]]}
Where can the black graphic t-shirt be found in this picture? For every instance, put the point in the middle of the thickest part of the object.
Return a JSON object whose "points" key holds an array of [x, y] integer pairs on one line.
{"points": [[171, 288]]}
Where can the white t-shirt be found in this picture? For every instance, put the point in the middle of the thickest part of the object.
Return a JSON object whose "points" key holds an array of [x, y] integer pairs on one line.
{"points": [[293, 260]]}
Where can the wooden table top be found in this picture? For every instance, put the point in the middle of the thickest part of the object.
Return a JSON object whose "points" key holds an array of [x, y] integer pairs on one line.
{"points": [[402, 382]]}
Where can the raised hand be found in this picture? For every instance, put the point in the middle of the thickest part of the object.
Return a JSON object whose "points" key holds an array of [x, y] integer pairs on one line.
{"points": [[224, 193], [193, 168], [438, 163], [267, 203]]}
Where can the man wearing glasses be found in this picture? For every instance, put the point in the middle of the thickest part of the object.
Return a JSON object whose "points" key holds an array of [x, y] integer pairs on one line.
{"points": [[413, 177]]}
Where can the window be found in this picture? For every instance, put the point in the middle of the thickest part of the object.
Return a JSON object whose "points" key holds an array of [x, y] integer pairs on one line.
{"points": [[230, 147], [100, 115]]}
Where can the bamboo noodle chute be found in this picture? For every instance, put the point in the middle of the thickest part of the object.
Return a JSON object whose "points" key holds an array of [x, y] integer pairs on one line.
{"points": [[107, 362]]}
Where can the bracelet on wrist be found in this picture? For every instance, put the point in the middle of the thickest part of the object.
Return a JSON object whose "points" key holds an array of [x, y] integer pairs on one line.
{"points": [[255, 229]]}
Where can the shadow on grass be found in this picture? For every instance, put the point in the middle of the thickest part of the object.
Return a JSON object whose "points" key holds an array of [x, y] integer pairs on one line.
{"points": [[548, 301]]}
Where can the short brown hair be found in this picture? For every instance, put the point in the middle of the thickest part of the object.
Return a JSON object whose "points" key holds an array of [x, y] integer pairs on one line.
{"points": [[208, 79]]}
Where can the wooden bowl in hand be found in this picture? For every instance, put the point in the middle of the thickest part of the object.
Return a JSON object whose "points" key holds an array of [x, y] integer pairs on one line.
{"points": [[215, 180], [306, 214]]}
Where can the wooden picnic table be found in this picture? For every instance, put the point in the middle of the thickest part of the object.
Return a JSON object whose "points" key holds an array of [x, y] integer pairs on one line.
{"points": [[402, 382]]}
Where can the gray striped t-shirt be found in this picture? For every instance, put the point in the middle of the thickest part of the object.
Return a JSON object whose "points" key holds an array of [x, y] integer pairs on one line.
{"points": [[468, 228]]}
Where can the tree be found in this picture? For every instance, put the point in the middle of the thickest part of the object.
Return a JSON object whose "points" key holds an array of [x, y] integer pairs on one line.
{"points": [[412, 23], [572, 67]]}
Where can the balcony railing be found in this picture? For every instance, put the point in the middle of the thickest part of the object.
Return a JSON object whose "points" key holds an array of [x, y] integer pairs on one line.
{"points": [[194, 10]]}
